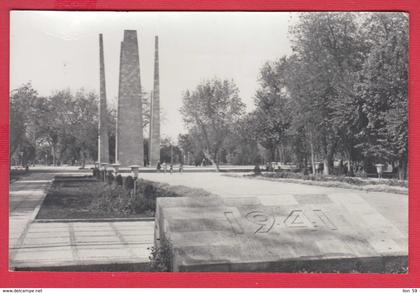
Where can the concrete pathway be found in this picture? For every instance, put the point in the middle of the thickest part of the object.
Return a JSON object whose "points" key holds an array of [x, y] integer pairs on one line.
{"points": [[47, 245], [34, 245]]}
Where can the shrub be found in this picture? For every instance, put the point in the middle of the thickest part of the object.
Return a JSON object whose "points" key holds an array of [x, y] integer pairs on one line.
{"points": [[161, 257], [137, 204], [149, 192], [119, 180], [110, 177], [95, 172], [101, 175], [360, 173], [129, 183]]}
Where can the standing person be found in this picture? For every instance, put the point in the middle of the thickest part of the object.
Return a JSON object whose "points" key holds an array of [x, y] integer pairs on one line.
{"points": [[165, 167], [158, 167], [171, 168]]}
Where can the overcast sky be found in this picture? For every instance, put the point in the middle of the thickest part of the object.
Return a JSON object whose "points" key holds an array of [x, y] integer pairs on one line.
{"points": [[60, 50]]}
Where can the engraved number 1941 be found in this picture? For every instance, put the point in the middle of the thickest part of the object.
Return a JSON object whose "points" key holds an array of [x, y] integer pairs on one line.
{"points": [[295, 219]]}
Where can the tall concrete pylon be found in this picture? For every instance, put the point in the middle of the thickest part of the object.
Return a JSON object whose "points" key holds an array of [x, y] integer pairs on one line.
{"points": [[103, 142], [129, 139], [155, 112]]}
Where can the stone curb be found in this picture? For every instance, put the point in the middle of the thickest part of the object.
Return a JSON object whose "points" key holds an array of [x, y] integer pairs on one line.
{"points": [[93, 220]]}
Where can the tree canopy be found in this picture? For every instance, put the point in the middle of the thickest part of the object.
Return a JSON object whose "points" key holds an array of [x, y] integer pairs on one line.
{"points": [[341, 95], [212, 109], [62, 128]]}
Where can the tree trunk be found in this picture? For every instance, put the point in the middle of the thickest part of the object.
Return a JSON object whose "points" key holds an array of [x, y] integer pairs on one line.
{"points": [[326, 170], [312, 158], [272, 154], [350, 168], [54, 155], [280, 154], [276, 154], [328, 165], [82, 154], [212, 160], [402, 170]]}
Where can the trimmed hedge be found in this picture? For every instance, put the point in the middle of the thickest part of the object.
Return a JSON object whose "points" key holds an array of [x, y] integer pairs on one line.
{"points": [[317, 177], [17, 173]]}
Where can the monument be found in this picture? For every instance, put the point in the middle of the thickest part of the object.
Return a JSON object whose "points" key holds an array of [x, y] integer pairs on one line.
{"points": [[129, 136], [290, 233], [103, 142], [154, 149]]}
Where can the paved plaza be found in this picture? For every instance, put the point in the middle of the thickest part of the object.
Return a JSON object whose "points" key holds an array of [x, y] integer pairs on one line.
{"points": [[49, 245]]}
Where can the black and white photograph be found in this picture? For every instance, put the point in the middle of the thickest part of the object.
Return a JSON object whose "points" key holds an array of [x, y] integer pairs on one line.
{"points": [[209, 141]]}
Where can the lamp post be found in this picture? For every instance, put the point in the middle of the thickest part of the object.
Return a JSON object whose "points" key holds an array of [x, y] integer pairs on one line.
{"points": [[135, 171], [104, 165], [116, 167]]}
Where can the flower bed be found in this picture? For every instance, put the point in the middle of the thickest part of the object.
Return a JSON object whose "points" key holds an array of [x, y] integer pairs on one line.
{"points": [[90, 198]]}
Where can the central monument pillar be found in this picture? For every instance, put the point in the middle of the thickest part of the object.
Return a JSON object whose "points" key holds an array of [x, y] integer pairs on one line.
{"points": [[129, 137]]}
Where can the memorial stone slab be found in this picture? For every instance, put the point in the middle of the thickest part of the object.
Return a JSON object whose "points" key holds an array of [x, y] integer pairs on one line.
{"points": [[294, 233]]}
